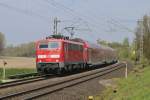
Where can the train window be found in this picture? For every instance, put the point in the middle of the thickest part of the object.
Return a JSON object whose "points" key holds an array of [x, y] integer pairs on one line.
{"points": [[75, 47], [72, 46], [53, 45], [68, 46], [43, 46], [50, 45]]}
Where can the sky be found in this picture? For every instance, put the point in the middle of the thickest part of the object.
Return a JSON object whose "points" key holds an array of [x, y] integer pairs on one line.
{"points": [[23, 21]]}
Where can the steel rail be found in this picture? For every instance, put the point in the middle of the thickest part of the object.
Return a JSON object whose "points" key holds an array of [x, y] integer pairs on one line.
{"points": [[70, 83], [23, 81], [93, 74]]}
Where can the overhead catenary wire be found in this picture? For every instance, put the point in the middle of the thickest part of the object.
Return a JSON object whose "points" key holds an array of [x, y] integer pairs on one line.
{"points": [[72, 12], [119, 25], [81, 17], [27, 12]]}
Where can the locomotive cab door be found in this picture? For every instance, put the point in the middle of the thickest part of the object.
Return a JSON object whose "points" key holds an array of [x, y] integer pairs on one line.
{"points": [[85, 55], [65, 52], [89, 56]]}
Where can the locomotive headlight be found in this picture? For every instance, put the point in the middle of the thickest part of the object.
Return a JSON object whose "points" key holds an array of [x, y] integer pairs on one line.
{"points": [[41, 56], [54, 56]]}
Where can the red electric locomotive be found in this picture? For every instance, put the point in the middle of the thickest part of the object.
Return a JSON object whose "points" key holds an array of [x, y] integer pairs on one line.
{"points": [[57, 54]]}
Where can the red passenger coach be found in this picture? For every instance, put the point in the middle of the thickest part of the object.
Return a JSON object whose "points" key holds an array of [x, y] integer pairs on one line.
{"points": [[56, 55]]}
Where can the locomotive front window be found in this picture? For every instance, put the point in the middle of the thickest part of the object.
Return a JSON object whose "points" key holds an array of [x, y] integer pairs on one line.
{"points": [[49, 45], [53, 45], [43, 46]]}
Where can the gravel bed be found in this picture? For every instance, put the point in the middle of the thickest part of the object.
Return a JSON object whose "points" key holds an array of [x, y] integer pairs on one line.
{"points": [[78, 92], [84, 90]]}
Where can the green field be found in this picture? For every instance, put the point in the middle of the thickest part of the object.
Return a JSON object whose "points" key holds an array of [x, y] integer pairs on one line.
{"points": [[135, 87], [14, 71]]}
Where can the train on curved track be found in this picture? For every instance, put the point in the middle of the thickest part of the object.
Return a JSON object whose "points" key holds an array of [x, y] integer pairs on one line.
{"points": [[58, 54]]}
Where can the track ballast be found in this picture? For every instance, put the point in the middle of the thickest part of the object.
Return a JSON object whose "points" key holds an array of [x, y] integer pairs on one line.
{"points": [[69, 81]]}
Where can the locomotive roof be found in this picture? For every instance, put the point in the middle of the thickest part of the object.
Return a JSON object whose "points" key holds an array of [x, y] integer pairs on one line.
{"points": [[80, 42], [64, 40], [92, 45]]}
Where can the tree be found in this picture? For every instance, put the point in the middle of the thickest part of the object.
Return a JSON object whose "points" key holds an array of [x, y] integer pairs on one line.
{"points": [[102, 42], [142, 37], [126, 42], [146, 36], [137, 41], [2, 42], [123, 49]]}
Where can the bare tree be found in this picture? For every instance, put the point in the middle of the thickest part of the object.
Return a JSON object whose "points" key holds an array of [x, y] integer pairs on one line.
{"points": [[2, 42], [143, 30], [146, 37]]}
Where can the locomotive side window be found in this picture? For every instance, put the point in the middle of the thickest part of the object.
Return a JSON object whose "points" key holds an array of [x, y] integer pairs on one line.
{"points": [[75, 47]]}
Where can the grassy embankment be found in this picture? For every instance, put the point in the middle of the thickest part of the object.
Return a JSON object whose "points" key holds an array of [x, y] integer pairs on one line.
{"points": [[17, 65], [14, 71], [135, 87]]}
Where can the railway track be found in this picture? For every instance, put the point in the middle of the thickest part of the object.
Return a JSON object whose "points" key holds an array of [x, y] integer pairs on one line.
{"points": [[37, 92], [24, 81]]}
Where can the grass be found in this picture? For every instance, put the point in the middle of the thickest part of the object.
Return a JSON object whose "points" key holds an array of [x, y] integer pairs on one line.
{"points": [[14, 71], [135, 87]]}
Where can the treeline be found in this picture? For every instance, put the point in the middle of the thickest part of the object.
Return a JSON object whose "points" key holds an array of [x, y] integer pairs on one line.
{"points": [[22, 50], [139, 49], [123, 49]]}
